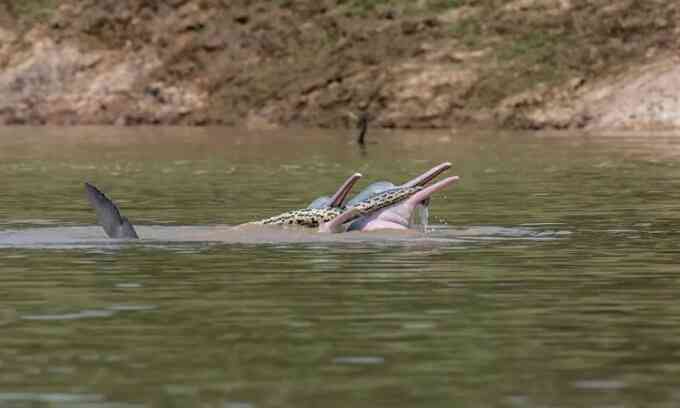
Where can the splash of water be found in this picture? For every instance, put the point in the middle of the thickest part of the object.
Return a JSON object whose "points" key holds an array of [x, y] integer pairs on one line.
{"points": [[422, 215], [425, 216]]}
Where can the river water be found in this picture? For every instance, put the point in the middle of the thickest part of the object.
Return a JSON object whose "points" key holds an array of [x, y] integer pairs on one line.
{"points": [[547, 277]]}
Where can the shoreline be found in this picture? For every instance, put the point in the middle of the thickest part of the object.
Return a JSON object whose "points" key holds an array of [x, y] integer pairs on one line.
{"points": [[430, 65]]}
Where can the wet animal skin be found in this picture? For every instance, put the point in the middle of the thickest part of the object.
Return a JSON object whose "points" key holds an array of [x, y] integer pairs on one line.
{"points": [[372, 209], [314, 217]]}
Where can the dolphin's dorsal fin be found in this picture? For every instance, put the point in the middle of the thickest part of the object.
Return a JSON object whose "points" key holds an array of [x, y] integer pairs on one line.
{"points": [[108, 215]]}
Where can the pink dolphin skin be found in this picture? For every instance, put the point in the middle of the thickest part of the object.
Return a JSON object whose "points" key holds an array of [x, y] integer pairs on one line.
{"points": [[337, 225], [399, 215], [428, 175], [341, 195]]}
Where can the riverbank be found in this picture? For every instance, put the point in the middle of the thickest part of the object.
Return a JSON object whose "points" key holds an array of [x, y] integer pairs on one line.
{"points": [[528, 64]]}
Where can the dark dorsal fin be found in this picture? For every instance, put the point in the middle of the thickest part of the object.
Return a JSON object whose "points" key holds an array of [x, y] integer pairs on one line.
{"points": [[108, 215]]}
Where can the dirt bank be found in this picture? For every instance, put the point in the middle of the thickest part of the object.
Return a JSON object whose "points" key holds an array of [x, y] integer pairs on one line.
{"points": [[409, 63]]}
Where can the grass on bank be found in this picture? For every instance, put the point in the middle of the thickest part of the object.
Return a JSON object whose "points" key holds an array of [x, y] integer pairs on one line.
{"points": [[31, 11], [408, 7], [530, 42], [539, 42]]}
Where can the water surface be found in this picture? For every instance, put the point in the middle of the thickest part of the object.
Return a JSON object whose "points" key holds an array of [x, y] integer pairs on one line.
{"points": [[547, 276]]}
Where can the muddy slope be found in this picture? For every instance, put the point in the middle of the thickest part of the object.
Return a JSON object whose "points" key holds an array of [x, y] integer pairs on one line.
{"points": [[436, 63]]}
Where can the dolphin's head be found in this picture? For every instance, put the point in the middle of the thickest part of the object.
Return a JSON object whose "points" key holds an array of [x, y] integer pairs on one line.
{"points": [[372, 189], [368, 206], [423, 179], [338, 199], [381, 186], [320, 211], [399, 215]]}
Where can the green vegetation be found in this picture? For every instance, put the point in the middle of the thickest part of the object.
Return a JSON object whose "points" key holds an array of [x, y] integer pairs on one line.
{"points": [[314, 59], [444, 4], [468, 31], [535, 44], [31, 11], [409, 7], [540, 42]]}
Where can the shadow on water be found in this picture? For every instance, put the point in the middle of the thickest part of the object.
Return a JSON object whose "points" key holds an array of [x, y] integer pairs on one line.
{"points": [[546, 277], [158, 236]]}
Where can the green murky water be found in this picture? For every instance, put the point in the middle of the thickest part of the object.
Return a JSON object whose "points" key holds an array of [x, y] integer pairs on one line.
{"points": [[549, 276]]}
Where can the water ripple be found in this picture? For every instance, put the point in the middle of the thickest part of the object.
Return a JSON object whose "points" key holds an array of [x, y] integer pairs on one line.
{"points": [[359, 360], [85, 314]]}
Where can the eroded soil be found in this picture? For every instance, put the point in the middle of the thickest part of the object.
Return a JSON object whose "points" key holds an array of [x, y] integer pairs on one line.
{"points": [[437, 63]]}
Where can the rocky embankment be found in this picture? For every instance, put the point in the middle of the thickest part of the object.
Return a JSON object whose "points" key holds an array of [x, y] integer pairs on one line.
{"points": [[440, 63]]}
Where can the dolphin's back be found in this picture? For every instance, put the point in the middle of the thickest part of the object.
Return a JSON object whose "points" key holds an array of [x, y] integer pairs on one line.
{"points": [[108, 215], [372, 189], [321, 202]]}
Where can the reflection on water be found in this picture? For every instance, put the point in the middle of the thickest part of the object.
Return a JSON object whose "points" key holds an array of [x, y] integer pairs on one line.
{"points": [[547, 276], [199, 236]]}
